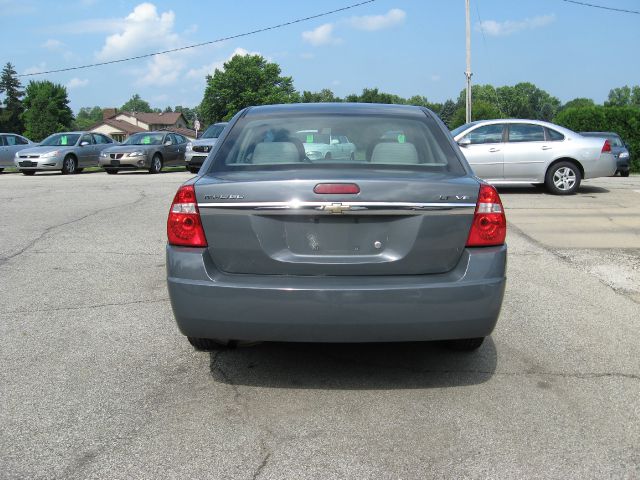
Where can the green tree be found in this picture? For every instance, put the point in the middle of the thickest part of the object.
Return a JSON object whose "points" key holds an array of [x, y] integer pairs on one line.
{"points": [[480, 110], [619, 97], [373, 95], [245, 80], [324, 95], [447, 113], [579, 103], [46, 109], [88, 116], [168, 110], [11, 108], [136, 104]]}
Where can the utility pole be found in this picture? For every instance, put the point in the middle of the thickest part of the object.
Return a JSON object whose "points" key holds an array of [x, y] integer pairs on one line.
{"points": [[468, 71]]}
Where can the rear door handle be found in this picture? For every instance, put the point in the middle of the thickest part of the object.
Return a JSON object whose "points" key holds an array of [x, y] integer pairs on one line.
{"points": [[492, 150], [546, 147]]}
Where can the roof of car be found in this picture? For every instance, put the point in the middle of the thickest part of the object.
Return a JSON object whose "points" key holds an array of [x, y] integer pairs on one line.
{"points": [[477, 123], [335, 108]]}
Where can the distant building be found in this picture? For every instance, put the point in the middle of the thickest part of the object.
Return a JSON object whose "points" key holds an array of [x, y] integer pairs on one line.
{"points": [[120, 125]]}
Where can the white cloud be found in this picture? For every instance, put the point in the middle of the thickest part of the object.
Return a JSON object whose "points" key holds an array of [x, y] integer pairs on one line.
{"points": [[202, 72], [161, 71], [392, 18], [322, 35], [142, 30], [52, 44], [42, 66], [77, 83], [509, 27]]}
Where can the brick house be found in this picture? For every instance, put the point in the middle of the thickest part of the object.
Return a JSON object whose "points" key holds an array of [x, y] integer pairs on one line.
{"points": [[120, 125]]}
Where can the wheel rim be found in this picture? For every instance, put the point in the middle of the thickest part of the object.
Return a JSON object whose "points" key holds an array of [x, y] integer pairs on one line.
{"points": [[70, 165], [156, 164], [564, 178]]}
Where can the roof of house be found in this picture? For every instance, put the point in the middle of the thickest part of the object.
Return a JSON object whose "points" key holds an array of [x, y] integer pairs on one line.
{"points": [[168, 118], [124, 127], [187, 132]]}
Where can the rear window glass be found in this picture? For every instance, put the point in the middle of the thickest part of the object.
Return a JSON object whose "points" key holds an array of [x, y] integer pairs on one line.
{"points": [[554, 135], [336, 141], [524, 132]]}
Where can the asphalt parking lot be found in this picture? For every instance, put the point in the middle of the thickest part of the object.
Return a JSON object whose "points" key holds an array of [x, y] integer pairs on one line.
{"points": [[97, 382]]}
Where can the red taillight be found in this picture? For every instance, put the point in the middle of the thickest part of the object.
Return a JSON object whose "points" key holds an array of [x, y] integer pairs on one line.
{"points": [[331, 188], [184, 227], [606, 147], [489, 225]]}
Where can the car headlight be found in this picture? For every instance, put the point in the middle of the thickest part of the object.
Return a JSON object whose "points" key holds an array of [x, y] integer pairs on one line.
{"points": [[137, 153], [189, 146], [104, 155], [624, 155], [49, 154]]}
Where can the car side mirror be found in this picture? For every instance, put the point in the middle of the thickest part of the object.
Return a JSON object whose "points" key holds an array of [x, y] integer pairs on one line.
{"points": [[464, 141], [84, 143], [334, 141]]}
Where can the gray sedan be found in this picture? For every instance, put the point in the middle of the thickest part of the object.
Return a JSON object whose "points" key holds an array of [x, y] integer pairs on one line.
{"points": [[400, 242], [512, 152], [10, 144], [146, 150], [69, 152]]}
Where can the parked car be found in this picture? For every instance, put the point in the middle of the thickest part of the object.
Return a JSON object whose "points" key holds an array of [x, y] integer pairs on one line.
{"points": [[198, 150], [69, 152], [512, 152], [145, 150], [10, 144], [266, 244], [320, 145], [618, 148]]}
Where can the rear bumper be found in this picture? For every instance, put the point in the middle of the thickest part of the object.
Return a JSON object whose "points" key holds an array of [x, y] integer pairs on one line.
{"points": [[463, 303], [605, 166]]}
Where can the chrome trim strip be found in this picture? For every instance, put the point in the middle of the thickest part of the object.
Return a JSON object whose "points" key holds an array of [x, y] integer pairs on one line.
{"points": [[333, 208]]}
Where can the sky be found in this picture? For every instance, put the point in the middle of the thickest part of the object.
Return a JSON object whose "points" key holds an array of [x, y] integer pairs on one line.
{"points": [[405, 47]]}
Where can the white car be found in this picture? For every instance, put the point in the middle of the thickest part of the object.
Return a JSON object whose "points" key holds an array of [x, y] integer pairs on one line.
{"points": [[319, 145], [511, 152]]}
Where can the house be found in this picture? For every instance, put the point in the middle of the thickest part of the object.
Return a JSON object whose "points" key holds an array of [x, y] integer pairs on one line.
{"points": [[120, 125]]}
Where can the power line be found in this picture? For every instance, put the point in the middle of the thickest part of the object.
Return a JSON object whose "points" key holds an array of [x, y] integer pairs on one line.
{"points": [[585, 4], [231, 37]]}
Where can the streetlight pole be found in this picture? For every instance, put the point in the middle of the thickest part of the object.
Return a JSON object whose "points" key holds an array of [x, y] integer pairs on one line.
{"points": [[468, 71]]}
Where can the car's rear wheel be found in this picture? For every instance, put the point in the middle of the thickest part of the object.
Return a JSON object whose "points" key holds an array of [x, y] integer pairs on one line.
{"points": [[69, 165], [1, 170], [624, 173], [465, 344], [563, 178], [28, 173], [156, 164], [327, 156], [111, 171]]}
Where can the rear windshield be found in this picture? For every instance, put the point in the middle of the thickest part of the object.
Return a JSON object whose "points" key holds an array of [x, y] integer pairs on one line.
{"points": [[213, 131], [337, 141]]}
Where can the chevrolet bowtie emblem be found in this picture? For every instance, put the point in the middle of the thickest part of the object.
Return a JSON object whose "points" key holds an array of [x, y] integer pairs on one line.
{"points": [[336, 208]]}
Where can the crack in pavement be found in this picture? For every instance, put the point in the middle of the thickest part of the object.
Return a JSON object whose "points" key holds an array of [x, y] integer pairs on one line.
{"points": [[565, 259], [216, 366], [85, 307], [51, 228]]}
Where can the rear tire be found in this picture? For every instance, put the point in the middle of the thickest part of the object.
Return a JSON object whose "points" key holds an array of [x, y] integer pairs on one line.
{"points": [[111, 171], [1, 170], [563, 178], [28, 173], [624, 173], [156, 164], [69, 165], [327, 156], [465, 344]]}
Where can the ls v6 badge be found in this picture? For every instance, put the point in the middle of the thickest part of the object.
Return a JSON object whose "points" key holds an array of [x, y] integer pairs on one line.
{"points": [[224, 197]]}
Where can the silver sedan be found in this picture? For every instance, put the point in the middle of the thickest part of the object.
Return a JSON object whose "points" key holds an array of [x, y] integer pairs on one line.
{"points": [[512, 152], [10, 144], [69, 152]]}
